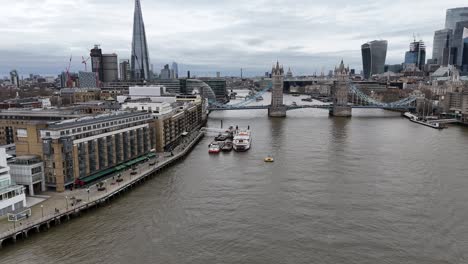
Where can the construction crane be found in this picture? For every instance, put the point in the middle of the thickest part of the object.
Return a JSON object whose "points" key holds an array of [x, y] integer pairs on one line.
{"points": [[85, 62], [69, 80]]}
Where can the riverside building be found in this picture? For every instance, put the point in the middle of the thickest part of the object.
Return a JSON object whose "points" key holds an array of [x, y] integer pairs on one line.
{"points": [[85, 149], [12, 197], [29, 172], [172, 121], [19, 125]]}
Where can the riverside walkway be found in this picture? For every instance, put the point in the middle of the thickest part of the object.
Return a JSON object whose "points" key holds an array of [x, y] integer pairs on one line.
{"points": [[44, 215]]}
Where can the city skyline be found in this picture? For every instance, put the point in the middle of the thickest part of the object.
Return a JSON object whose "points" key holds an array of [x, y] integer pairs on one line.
{"points": [[210, 38]]}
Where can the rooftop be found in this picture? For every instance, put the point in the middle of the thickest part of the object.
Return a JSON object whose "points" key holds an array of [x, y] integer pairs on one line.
{"points": [[93, 119], [26, 160], [39, 112]]}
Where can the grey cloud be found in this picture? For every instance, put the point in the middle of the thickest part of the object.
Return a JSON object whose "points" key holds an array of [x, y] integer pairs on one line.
{"points": [[39, 36]]}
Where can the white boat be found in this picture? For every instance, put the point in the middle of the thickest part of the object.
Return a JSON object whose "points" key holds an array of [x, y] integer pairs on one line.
{"points": [[214, 148], [242, 140]]}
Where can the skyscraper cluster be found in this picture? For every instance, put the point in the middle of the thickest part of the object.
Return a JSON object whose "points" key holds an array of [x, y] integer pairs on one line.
{"points": [[451, 43]]}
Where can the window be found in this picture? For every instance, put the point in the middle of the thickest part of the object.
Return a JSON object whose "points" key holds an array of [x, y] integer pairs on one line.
{"points": [[36, 170]]}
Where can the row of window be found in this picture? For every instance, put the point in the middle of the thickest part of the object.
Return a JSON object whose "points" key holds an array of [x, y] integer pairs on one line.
{"points": [[98, 126], [11, 194]]}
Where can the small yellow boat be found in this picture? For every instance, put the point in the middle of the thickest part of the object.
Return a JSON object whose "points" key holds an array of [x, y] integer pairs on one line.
{"points": [[269, 159]]}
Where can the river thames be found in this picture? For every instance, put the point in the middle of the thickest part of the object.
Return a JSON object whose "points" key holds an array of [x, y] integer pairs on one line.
{"points": [[374, 188]]}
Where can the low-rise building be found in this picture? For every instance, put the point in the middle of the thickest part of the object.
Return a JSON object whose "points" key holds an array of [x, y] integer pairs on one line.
{"points": [[219, 87], [29, 172], [12, 196], [455, 104], [69, 96]]}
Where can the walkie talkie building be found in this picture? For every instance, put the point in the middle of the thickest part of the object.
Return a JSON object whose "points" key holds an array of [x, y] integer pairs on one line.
{"points": [[140, 58], [374, 54]]}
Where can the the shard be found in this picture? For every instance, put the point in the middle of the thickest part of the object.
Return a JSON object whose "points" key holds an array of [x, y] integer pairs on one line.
{"points": [[140, 59]]}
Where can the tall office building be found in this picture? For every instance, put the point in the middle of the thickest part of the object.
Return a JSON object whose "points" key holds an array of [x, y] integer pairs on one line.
{"points": [[454, 16], [140, 58], [124, 67], [459, 51], [110, 67], [374, 54], [175, 69], [442, 44], [96, 62], [105, 66], [165, 73], [417, 54], [465, 51], [14, 78], [445, 51]]}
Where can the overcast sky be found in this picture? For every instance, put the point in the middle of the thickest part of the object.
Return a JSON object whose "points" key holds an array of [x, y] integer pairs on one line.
{"points": [[38, 36]]}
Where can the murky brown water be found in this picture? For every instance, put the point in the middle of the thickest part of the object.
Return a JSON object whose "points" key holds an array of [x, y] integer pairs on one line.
{"points": [[371, 189]]}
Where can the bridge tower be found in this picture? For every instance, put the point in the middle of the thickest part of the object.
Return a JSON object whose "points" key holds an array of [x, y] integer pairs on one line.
{"points": [[339, 92], [277, 107]]}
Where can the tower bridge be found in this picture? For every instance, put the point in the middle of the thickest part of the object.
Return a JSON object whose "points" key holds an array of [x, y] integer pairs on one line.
{"points": [[345, 94]]}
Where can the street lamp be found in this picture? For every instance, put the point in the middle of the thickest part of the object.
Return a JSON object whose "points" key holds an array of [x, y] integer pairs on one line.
{"points": [[42, 209], [66, 198]]}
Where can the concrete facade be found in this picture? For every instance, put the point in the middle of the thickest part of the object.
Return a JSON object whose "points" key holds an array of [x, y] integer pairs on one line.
{"points": [[12, 196], [29, 172]]}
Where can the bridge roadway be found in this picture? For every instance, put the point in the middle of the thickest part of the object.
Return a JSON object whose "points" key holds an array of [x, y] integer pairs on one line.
{"points": [[294, 107]]}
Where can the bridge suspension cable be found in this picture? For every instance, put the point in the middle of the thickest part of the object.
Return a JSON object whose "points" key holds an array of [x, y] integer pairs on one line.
{"points": [[243, 103], [371, 101]]}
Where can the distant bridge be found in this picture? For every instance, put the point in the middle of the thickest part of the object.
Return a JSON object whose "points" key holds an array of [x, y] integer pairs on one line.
{"points": [[358, 100], [295, 107]]}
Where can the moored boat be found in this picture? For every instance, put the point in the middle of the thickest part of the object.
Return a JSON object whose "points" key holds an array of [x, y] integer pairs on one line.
{"points": [[417, 120], [214, 148], [242, 140], [227, 146]]}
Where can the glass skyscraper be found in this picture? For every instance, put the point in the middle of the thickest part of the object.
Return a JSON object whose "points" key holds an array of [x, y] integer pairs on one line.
{"points": [[459, 51], [442, 44], [465, 50], [417, 54], [374, 54], [447, 42], [454, 16], [140, 58]]}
